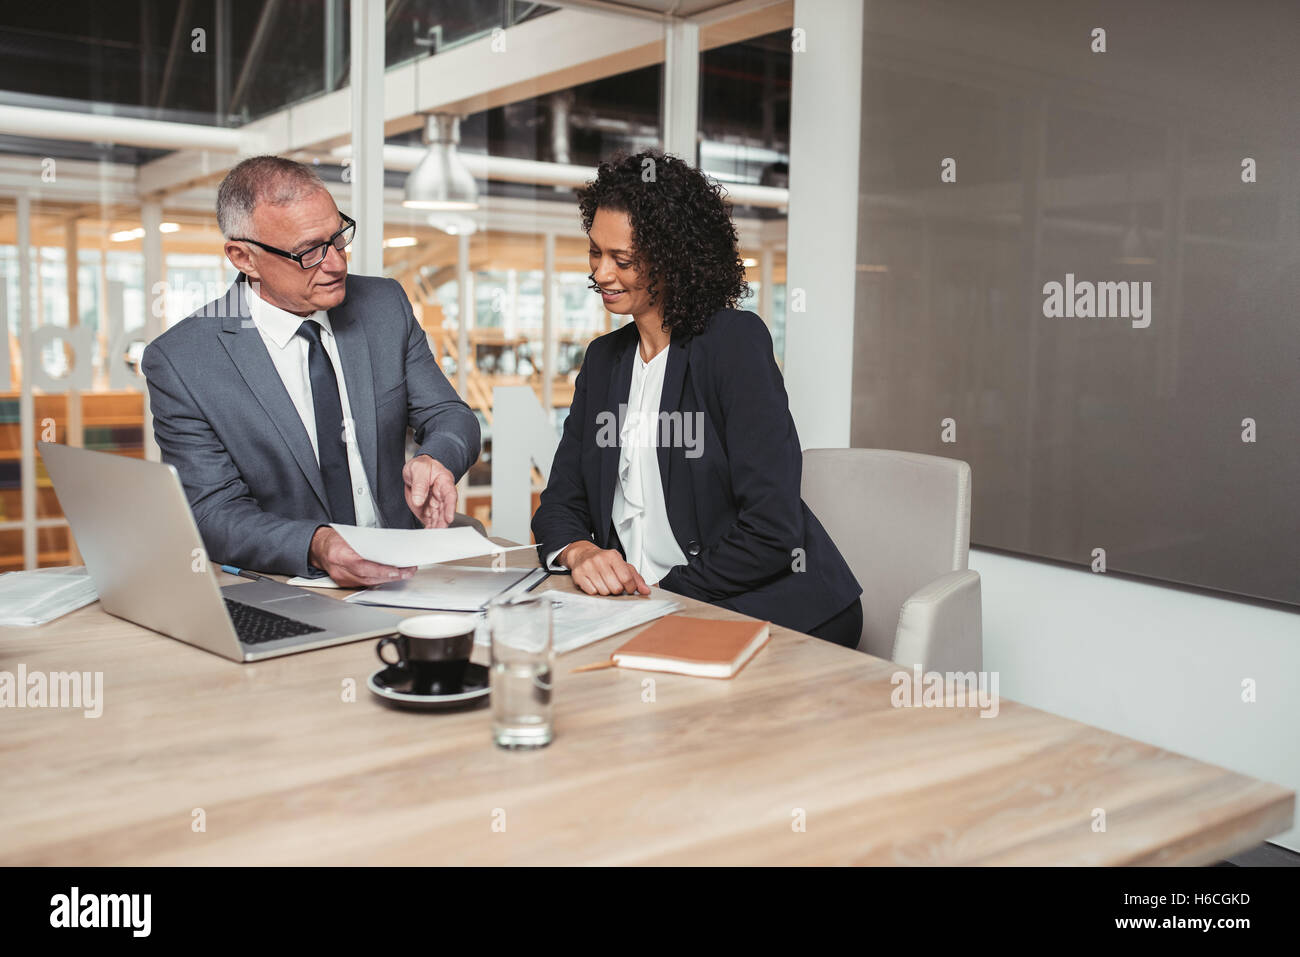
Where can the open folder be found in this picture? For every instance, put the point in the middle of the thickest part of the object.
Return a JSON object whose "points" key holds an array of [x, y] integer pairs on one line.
{"points": [[451, 588]]}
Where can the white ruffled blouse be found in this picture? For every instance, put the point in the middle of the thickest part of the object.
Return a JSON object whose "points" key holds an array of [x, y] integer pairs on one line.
{"points": [[640, 511]]}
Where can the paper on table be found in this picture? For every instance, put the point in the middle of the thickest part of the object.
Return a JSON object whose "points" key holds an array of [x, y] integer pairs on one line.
{"points": [[405, 547], [43, 594], [323, 581], [580, 620]]}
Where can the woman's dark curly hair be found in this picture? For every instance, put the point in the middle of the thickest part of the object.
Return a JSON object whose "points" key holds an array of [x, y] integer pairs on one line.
{"points": [[683, 237]]}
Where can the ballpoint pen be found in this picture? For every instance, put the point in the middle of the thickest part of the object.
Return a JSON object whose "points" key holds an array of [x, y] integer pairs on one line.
{"points": [[232, 570]]}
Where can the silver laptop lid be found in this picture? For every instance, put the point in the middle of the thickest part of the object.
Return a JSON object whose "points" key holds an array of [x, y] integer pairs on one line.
{"points": [[143, 551]]}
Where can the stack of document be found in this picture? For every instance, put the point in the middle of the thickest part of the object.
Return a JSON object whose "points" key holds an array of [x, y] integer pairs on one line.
{"points": [[43, 594], [580, 620]]}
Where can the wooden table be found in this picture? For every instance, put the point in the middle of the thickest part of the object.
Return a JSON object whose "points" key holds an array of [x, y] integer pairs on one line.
{"points": [[286, 769]]}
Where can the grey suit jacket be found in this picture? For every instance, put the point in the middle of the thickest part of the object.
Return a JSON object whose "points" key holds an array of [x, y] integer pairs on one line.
{"points": [[224, 419]]}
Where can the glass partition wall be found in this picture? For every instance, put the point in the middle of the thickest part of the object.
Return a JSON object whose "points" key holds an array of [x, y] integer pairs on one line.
{"points": [[145, 260]]}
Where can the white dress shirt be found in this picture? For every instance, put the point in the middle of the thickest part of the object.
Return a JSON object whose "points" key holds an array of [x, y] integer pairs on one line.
{"points": [[289, 352], [640, 511]]}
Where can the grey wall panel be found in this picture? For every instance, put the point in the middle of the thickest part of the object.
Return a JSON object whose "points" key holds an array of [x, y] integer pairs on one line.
{"points": [[1074, 165]]}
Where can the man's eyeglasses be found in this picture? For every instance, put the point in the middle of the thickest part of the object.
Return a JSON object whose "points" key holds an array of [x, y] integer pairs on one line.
{"points": [[313, 257]]}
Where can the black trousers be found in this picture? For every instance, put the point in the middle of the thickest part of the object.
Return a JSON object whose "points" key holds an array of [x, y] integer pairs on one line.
{"points": [[842, 629]]}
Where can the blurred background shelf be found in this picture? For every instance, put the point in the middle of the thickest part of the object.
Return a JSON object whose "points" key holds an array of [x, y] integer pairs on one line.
{"points": [[107, 421]]}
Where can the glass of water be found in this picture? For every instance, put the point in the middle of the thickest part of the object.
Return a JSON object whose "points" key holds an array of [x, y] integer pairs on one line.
{"points": [[523, 660]]}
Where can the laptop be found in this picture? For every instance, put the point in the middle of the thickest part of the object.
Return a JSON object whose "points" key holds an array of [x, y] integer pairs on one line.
{"points": [[145, 555]]}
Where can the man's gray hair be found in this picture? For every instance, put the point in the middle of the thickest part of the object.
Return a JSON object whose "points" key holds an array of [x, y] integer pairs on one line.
{"points": [[257, 180]]}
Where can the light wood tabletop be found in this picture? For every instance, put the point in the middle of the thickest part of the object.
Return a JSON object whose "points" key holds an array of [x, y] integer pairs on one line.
{"points": [[800, 759]]}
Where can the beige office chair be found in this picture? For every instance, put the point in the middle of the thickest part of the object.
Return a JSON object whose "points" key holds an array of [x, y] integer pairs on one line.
{"points": [[902, 522]]}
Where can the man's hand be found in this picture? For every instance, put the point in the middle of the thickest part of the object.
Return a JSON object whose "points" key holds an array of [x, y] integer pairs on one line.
{"points": [[430, 491], [332, 554], [601, 571]]}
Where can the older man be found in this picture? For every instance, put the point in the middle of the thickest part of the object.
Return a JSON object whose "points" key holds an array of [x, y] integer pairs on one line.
{"points": [[284, 405]]}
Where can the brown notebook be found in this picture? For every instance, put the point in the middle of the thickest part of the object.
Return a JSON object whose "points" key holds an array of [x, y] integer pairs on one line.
{"points": [[693, 646]]}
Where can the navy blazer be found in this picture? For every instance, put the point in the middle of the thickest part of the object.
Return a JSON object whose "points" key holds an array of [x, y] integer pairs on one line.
{"points": [[731, 478]]}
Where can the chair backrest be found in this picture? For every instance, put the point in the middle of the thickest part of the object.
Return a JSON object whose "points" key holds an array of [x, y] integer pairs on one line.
{"points": [[900, 519]]}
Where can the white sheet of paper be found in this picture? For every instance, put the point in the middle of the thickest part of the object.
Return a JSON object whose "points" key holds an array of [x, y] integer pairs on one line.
{"points": [[406, 547], [323, 582], [580, 620], [42, 594]]}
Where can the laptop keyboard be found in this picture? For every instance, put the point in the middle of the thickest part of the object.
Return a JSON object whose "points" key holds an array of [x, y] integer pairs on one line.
{"points": [[255, 626]]}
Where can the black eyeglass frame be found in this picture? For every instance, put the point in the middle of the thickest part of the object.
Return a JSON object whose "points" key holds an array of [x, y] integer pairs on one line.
{"points": [[299, 257]]}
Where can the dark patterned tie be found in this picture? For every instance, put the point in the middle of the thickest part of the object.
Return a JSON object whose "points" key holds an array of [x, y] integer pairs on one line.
{"points": [[332, 449]]}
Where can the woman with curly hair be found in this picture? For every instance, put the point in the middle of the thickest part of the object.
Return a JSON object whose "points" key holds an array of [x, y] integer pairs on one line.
{"points": [[679, 463]]}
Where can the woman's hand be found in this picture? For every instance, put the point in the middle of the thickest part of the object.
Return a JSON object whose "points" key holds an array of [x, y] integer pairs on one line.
{"points": [[602, 571]]}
